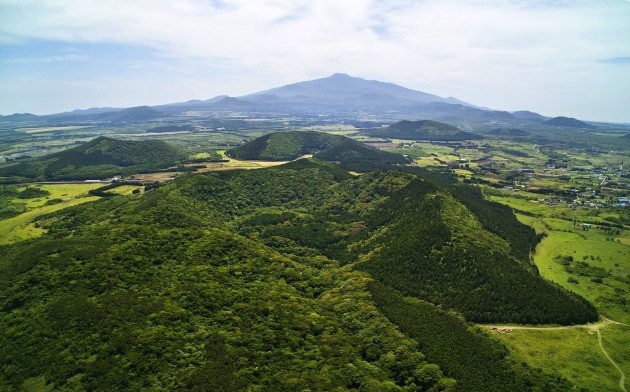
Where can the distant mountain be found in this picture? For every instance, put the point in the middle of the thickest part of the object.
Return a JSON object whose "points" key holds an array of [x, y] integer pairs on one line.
{"points": [[443, 111], [341, 88], [285, 146], [568, 122], [15, 117], [422, 130], [527, 115], [88, 112], [139, 113], [192, 105], [100, 158], [339, 96]]}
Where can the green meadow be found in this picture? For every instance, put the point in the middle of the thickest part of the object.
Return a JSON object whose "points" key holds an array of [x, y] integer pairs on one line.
{"points": [[20, 227], [572, 353], [593, 263]]}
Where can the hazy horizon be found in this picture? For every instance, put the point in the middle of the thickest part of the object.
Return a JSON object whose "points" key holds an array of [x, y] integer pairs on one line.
{"points": [[557, 58]]}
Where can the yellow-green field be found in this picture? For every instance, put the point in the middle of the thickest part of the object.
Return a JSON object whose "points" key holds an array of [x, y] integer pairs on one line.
{"points": [[20, 227]]}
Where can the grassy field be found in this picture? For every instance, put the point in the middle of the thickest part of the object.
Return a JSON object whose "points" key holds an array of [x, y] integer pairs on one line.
{"points": [[20, 227], [615, 339], [572, 353], [575, 353]]}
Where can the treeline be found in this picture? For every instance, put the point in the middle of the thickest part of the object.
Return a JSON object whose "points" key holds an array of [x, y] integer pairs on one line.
{"points": [[436, 251], [100, 158], [478, 362]]}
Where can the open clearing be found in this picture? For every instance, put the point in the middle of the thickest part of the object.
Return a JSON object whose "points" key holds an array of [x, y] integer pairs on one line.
{"points": [[595, 356], [20, 227]]}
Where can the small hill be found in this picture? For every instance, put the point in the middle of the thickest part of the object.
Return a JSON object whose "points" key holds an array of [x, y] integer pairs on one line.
{"points": [[422, 130], [568, 122], [350, 150], [100, 158], [286, 146]]}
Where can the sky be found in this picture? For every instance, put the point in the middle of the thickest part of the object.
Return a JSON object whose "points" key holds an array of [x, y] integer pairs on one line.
{"points": [[555, 57]]}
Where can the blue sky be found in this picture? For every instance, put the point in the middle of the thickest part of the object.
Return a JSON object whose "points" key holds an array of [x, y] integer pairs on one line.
{"points": [[555, 57]]}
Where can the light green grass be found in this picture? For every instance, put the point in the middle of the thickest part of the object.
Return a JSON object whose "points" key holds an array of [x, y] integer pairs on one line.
{"points": [[19, 228], [575, 353], [201, 155], [615, 339], [572, 353], [125, 189], [610, 255]]}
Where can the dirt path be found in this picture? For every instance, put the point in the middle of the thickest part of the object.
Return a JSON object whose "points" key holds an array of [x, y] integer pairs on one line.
{"points": [[593, 327], [622, 380]]}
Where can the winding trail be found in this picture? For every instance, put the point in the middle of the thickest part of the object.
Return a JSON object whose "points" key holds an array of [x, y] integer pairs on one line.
{"points": [[622, 380], [592, 326]]}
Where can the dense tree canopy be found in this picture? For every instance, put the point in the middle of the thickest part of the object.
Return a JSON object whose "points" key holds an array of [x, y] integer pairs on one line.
{"points": [[286, 278]]}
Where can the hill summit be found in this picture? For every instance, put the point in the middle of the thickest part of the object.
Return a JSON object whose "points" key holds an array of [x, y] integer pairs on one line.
{"points": [[99, 158], [568, 122], [422, 130], [286, 146]]}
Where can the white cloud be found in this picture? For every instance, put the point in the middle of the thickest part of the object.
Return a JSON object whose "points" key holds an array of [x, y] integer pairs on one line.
{"points": [[495, 53]]}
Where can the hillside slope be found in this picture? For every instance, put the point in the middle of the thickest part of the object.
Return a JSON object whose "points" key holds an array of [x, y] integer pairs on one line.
{"points": [[99, 158], [285, 146], [568, 122], [260, 280]]}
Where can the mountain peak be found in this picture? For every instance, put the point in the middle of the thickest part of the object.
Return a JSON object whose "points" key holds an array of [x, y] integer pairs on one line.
{"points": [[340, 76]]}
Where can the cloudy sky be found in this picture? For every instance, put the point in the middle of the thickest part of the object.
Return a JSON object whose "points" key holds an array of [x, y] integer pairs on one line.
{"points": [[556, 57]]}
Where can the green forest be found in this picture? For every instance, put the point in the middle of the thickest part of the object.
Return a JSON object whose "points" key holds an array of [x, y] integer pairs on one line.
{"points": [[286, 146], [422, 130], [295, 277], [99, 158]]}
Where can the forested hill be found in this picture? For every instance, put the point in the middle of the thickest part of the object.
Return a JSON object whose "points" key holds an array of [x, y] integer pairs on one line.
{"points": [[422, 130], [285, 146], [286, 278], [99, 158], [568, 122]]}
